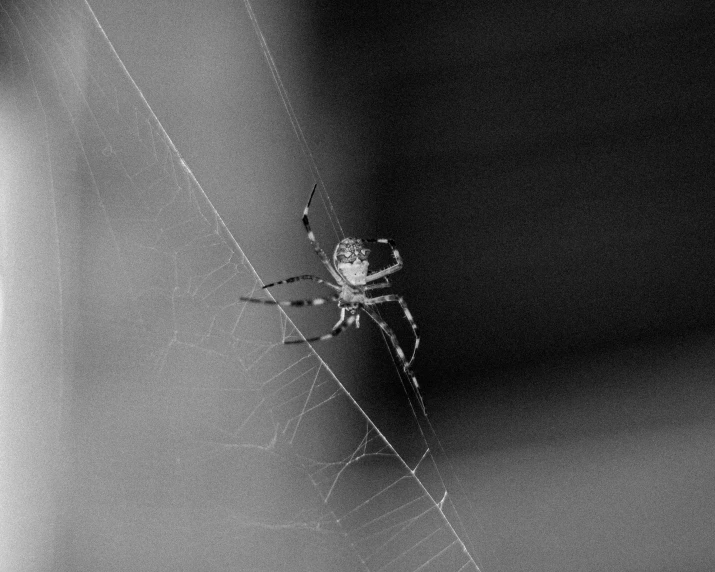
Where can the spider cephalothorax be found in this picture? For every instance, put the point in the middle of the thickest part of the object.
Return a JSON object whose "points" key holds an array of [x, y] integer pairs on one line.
{"points": [[349, 269], [350, 250]]}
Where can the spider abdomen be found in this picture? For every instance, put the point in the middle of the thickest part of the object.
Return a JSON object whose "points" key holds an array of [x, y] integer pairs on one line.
{"points": [[354, 272]]}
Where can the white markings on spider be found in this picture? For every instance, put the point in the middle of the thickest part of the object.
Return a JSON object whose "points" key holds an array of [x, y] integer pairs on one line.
{"points": [[349, 269]]}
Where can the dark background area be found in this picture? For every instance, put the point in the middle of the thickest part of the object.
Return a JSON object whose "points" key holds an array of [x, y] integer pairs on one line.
{"points": [[547, 169]]}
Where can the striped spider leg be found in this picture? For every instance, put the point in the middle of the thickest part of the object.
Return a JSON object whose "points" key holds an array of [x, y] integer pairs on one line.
{"points": [[349, 269]]}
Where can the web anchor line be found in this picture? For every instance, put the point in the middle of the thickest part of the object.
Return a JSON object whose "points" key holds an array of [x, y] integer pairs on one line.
{"points": [[297, 129]]}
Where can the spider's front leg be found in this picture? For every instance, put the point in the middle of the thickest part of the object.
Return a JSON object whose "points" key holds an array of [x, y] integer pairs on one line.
{"points": [[303, 277], [385, 284], [292, 303], [314, 242], [390, 269]]}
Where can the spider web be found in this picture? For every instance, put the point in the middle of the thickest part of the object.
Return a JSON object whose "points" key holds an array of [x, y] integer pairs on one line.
{"points": [[193, 438]]}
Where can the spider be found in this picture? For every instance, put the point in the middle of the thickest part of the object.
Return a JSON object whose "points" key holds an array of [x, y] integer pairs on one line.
{"points": [[353, 282]]}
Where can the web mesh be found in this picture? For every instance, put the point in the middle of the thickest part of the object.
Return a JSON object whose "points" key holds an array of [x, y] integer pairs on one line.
{"points": [[195, 439]]}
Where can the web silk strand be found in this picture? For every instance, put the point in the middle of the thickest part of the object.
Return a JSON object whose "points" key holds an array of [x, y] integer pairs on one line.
{"points": [[427, 431], [297, 129]]}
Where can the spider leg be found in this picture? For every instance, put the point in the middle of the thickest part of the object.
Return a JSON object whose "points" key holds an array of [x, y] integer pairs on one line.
{"points": [[286, 303], [398, 350], [390, 269], [303, 277], [311, 237], [384, 284], [401, 301], [341, 325]]}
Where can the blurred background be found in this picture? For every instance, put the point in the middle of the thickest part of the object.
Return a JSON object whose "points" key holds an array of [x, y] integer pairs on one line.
{"points": [[546, 169]]}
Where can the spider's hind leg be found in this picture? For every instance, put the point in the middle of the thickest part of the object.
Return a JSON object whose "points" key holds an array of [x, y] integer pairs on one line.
{"points": [[400, 354], [341, 325], [403, 305]]}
